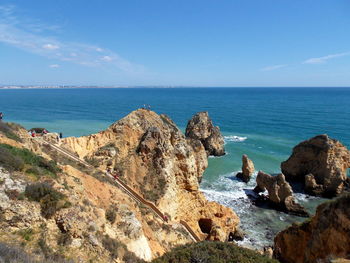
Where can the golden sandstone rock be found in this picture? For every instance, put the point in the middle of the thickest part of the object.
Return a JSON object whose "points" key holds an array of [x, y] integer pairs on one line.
{"points": [[280, 193], [326, 236], [154, 158], [325, 158], [247, 169], [201, 128]]}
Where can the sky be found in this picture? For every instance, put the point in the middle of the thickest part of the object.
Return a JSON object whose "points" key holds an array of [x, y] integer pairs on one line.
{"points": [[218, 43]]}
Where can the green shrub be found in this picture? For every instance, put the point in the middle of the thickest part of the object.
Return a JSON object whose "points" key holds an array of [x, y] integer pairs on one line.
{"points": [[64, 239], [13, 158], [107, 146], [130, 257], [35, 170], [50, 200], [10, 253], [27, 234], [15, 126], [112, 245], [37, 130], [9, 161], [93, 161], [111, 214], [37, 191], [213, 252], [153, 187], [7, 130]]}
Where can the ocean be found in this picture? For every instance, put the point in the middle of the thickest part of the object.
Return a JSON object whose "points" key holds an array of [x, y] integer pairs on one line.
{"points": [[264, 123]]}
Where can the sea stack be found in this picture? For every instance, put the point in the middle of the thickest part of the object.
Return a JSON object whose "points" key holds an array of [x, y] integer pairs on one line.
{"points": [[201, 128], [324, 160], [280, 193], [247, 169]]}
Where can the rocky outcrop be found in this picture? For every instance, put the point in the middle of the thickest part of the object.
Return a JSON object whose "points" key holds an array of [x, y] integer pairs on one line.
{"points": [[311, 186], [280, 193], [326, 236], [247, 169], [96, 220], [154, 158], [325, 160], [201, 128]]}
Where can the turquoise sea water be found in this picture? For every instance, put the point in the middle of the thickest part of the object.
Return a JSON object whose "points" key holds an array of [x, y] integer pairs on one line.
{"points": [[264, 123]]}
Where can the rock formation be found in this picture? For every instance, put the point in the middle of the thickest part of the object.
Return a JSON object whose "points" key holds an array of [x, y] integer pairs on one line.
{"points": [[324, 160], [280, 193], [201, 128], [326, 236], [154, 158], [247, 169], [93, 219]]}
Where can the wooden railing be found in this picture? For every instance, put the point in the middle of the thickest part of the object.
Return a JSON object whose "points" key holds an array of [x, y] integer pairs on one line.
{"points": [[132, 193], [189, 229]]}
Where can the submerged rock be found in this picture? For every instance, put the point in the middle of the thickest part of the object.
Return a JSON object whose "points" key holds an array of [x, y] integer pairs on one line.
{"points": [[325, 236], [201, 128], [247, 169], [325, 158], [280, 193]]}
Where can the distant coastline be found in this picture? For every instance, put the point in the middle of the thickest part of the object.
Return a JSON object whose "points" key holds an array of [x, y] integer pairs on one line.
{"points": [[19, 87], [59, 87]]}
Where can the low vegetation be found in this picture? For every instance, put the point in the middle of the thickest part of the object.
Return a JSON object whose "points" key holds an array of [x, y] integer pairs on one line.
{"points": [[50, 200], [38, 130], [17, 159], [212, 252], [8, 130], [118, 249], [153, 187], [14, 254], [92, 161], [26, 234], [111, 214]]}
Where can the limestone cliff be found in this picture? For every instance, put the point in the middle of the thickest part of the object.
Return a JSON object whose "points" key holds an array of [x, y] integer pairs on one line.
{"points": [[325, 237], [326, 161], [153, 157], [78, 212]]}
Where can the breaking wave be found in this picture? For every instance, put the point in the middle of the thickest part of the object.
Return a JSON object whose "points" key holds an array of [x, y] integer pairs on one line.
{"points": [[235, 138]]}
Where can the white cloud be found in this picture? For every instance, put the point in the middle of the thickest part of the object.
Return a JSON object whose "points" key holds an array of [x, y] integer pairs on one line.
{"points": [[274, 67], [50, 46], [322, 60], [107, 58], [54, 66], [14, 32]]}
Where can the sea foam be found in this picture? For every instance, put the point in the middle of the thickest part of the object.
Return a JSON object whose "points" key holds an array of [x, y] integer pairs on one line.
{"points": [[235, 138]]}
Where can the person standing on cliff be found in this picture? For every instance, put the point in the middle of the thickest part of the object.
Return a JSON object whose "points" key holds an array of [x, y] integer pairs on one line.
{"points": [[1, 116]]}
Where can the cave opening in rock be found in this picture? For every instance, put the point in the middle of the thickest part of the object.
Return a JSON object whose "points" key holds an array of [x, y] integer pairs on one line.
{"points": [[231, 237], [205, 225]]}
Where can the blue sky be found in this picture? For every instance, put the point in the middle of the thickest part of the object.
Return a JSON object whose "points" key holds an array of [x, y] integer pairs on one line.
{"points": [[235, 43]]}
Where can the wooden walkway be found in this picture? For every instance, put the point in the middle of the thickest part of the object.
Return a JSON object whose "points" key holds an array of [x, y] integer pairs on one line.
{"points": [[128, 190]]}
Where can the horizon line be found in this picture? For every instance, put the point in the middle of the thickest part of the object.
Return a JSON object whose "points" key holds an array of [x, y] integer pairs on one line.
{"points": [[18, 87]]}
